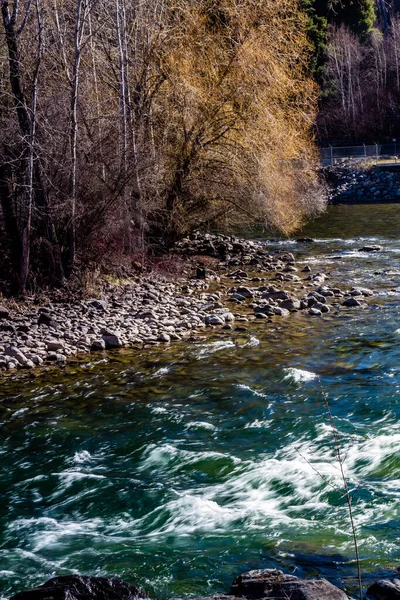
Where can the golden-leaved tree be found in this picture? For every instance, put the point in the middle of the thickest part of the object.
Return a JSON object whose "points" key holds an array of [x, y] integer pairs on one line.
{"points": [[127, 124]]}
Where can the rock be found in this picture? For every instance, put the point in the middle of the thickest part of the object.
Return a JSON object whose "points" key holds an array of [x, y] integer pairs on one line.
{"points": [[351, 302], [291, 305], [314, 312], [261, 315], [4, 312], [200, 273], [82, 588], [54, 345], [372, 248], [111, 340], [214, 320], [16, 354], [228, 317], [164, 337], [274, 584], [281, 312], [306, 269], [385, 589], [305, 240], [98, 345], [361, 292], [246, 292], [8, 327], [97, 304], [238, 297], [46, 319], [281, 295]]}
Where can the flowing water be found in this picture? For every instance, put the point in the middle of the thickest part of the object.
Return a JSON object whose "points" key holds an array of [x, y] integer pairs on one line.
{"points": [[180, 468]]}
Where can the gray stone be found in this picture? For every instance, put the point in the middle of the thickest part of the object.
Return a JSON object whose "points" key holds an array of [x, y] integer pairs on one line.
{"points": [[98, 345], [274, 584], [314, 312], [351, 302], [214, 320], [16, 354], [229, 317], [385, 589], [100, 305], [246, 292], [54, 345], [281, 312], [164, 337], [4, 312], [292, 305], [111, 340]]}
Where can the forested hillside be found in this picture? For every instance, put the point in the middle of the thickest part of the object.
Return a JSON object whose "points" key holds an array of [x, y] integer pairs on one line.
{"points": [[126, 125], [356, 61]]}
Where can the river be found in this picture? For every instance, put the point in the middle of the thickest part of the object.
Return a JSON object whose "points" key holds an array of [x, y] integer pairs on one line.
{"points": [[179, 468]]}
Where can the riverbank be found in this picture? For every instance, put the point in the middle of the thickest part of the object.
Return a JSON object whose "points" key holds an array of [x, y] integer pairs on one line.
{"points": [[356, 183], [228, 282]]}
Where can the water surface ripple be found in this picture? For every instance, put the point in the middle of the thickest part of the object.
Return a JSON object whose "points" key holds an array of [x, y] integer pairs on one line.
{"points": [[180, 468]]}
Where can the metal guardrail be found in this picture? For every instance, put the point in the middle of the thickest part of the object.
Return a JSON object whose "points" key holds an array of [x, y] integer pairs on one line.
{"points": [[375, 152]]}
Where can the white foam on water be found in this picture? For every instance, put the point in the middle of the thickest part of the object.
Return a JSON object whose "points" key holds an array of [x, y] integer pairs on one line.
{"points": [[161, 372], [200, 425], [82, 457], [21, 411], [209, 349], [254, 392], [299, 375], [257, 424], [253, 342], [158, 410], [46, 532], [167, 455]]}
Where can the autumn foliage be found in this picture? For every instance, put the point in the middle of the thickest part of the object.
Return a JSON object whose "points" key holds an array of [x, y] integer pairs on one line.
{"points": [[146, 120]]}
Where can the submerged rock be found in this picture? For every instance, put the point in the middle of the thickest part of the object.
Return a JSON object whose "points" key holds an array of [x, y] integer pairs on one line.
{"points": [[81, 588]]}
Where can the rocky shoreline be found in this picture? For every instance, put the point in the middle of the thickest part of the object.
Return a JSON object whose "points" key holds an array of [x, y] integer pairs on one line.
{"points": [[246, 282], [263, 584], [355, 184]]}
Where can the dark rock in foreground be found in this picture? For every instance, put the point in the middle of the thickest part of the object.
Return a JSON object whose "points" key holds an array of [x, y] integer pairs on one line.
{"points": [[385, 589], [82, 588], [274, 584]]}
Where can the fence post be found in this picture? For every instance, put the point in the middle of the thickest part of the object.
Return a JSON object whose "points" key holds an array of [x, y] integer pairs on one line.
{"points": [[365, 151], [331, 155], [376, 152]]}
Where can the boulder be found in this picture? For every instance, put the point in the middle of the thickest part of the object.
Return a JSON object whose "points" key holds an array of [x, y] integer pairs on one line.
{"points": [[111, 340], [46, 319], [215, 320], [292, 305], [164, 337], [81, 588], [55, 345], [100, 305], [4, 313], [351, 302], [246, 292], [384, 589], [274, 584], [98, 345]]}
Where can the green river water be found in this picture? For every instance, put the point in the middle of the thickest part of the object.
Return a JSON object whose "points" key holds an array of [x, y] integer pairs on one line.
{"points": [[178, 468]]}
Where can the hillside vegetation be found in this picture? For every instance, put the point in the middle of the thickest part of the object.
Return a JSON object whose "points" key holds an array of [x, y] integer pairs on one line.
{"points": [[126, 125]]}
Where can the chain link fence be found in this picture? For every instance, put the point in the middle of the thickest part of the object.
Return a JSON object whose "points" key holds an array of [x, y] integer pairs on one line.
{"points": [[375, 152]]}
